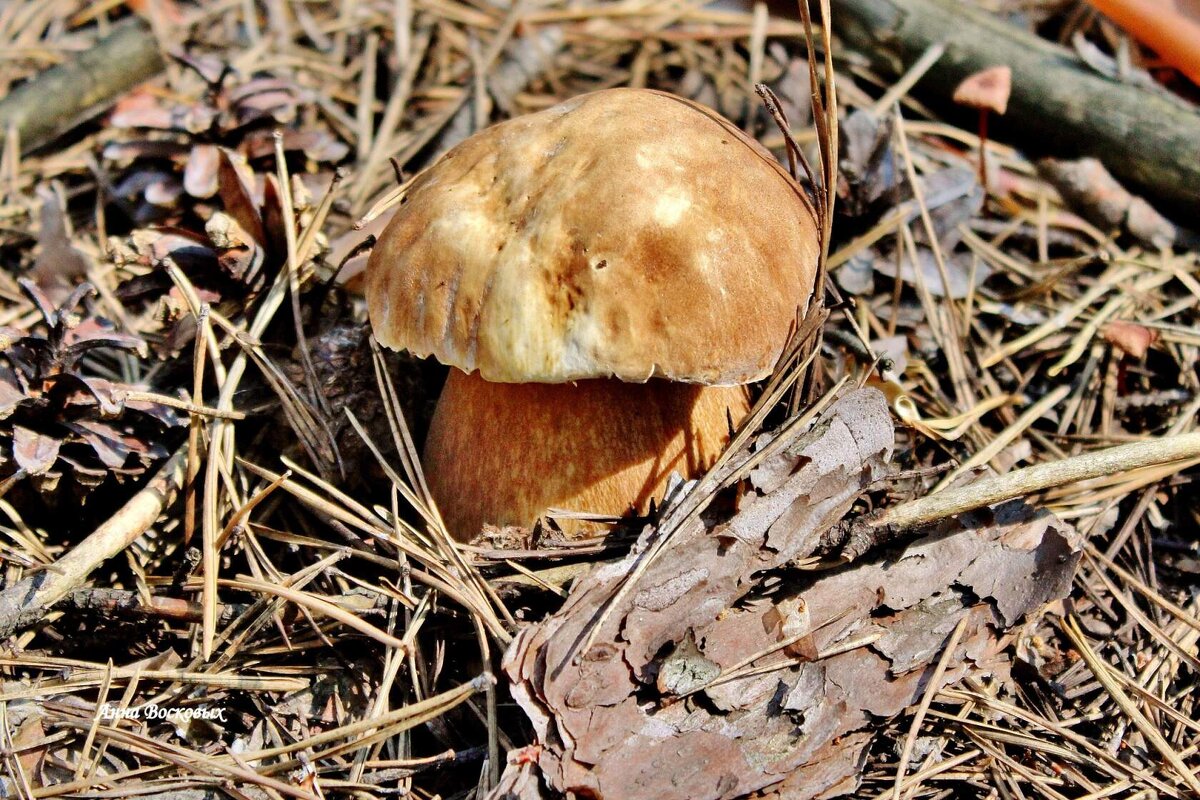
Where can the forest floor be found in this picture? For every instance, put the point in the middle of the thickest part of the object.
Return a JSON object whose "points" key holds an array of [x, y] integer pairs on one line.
{"points": [[210, 502]]}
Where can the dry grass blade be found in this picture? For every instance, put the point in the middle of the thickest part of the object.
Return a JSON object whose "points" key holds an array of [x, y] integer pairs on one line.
{"points": [[1018, 428], [911, 739], [409, 716], [1173, 609], [324, 607], [1148, 729], [191, 762], [1043, 728], [90, 677]]}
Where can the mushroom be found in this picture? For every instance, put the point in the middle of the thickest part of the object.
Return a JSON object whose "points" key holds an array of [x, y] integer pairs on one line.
{"points": [[986, 90], [603, 277]]}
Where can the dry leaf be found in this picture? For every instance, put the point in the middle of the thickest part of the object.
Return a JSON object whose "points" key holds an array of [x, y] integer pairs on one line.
{"points": [[200, 174], [59, 262]]}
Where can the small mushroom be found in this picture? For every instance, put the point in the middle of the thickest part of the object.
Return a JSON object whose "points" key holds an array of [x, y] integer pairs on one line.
{"points": [[986, 90], [603, 277]]}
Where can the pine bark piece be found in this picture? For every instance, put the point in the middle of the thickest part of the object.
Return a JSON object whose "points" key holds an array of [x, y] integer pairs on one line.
{"points": [[1148, 139], [639, 714], [62, 97]]}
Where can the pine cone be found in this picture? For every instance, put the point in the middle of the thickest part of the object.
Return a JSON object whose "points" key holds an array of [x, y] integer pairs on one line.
{"points": [[58, 418]]}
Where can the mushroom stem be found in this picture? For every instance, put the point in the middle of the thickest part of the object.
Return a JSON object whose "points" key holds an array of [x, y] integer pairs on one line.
{"points": [[983, 139], [503, 453]]}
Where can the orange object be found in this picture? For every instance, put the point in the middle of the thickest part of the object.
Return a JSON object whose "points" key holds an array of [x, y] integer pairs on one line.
{"points": [[1170, 27], [166, 10]]}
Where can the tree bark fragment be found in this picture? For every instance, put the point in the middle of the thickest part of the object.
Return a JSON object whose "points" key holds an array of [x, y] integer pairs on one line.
{"points": [[727, 670]]}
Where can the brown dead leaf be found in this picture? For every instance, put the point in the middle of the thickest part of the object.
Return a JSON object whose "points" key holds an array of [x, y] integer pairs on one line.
{"points": [[11, 393], [29, 744], [56, 414], [236, 195], [319, 145], [868, 175], [112, 445], [267, 97], [141, 109], [200, 176], [59, 263]]}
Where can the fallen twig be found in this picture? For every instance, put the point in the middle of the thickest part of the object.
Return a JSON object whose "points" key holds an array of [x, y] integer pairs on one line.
{"points": [[66, 95], [25, 602], [115, 602], [1021, 483]]}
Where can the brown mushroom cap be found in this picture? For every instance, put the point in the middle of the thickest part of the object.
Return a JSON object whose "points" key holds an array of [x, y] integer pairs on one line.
{"points": [[987, 89], [625, 233]]}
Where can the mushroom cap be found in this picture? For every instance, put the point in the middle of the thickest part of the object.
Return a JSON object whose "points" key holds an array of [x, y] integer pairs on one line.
{"points": [[987, 89], [626, 233]]}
